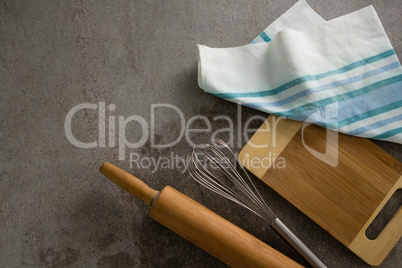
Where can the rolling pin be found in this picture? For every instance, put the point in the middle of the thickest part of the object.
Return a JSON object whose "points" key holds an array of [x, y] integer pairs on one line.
{"points": [[199, 225]]}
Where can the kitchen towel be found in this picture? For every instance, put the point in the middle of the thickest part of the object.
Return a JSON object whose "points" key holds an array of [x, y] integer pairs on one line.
{"points": [[342, 74]]}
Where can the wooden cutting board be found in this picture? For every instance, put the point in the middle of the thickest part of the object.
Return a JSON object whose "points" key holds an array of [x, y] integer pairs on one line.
{"points": [[343, 194]]}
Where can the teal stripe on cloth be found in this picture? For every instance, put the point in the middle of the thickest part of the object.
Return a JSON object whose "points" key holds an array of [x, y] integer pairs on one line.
{"points": [[340, 97], [265, 37], [357, 105], [378, 124], [313, 90], [371, 113], [388, 134], [306, 78]]}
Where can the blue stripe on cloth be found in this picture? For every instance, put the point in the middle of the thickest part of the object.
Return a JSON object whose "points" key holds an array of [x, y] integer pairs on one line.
{"points": [[313, 90], [340, 97], [265, 37], [306, 78], [375, 125], [368, 114], [352, 106], [388, 134]]}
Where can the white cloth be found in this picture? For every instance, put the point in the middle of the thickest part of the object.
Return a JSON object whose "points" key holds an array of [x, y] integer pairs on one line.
{"points": [[342, 74]]}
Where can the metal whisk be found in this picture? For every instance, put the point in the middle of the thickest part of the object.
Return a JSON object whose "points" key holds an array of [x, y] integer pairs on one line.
{"points": [[215, 166]]}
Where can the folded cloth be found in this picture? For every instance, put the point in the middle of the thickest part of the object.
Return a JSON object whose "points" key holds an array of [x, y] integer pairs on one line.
{"points": [[342, 74]]}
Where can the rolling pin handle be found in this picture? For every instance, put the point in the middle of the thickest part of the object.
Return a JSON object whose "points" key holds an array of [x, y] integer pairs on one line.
{"points": [[129, 183]]}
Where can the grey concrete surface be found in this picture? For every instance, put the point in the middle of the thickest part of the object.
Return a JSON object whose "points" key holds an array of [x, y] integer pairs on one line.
{"points": [[56, 209]]}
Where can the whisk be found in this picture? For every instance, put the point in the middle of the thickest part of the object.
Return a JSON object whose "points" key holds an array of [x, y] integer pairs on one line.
{"points": [[215, 166]]}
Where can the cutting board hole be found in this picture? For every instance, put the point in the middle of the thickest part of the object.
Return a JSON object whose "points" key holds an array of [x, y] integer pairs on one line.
{"points": [[385, 215]]}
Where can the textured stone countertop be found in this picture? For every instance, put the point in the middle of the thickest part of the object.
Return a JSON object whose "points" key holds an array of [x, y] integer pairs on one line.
{"points": [[56, 209]]}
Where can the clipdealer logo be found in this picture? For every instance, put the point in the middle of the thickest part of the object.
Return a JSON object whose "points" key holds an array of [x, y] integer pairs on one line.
{"points": [[117, 125], [113, 127]]}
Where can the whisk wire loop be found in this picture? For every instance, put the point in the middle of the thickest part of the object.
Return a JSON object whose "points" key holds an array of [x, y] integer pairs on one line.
{"points": [[218, 173]]}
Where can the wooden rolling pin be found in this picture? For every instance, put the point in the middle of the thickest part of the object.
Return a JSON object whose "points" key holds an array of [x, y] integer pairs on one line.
{"points": [[200, 225]]}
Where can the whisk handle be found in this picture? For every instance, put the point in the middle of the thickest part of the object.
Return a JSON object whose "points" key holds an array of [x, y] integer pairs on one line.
{"points": [[128, 182], [297, 244]]}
